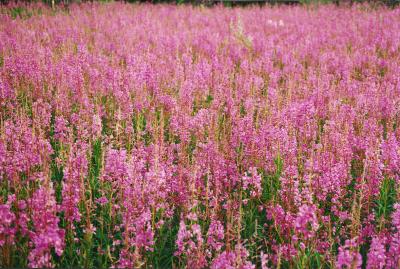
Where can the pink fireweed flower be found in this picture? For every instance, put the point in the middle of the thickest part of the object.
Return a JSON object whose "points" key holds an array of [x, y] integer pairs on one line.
{"points": [[102, 200], [215, 235], [96, 126], [190, 244], [6, 93], [75, 171], [7, 224], [306, 222], [264, 260], [46, 234], [393, 258], [61, 131], [233, 259], [348, 256], [377, 254], [90, 230], [252, 181]]}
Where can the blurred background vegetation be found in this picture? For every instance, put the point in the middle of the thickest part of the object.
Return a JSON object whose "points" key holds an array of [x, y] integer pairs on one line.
{"points": [[228, 3]]}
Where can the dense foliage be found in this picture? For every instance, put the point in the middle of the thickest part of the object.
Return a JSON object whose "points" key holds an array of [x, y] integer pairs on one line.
{"points": [[180, 136]]}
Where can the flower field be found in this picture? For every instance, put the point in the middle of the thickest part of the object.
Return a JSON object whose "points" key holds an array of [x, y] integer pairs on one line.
{"points": [[162, 136]]}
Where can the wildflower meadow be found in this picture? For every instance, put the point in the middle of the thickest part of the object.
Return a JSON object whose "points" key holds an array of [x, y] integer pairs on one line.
{"points": [[181, 136]]}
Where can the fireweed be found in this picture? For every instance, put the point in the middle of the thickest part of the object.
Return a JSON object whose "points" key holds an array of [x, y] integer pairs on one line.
{"points": [[179, 136]]}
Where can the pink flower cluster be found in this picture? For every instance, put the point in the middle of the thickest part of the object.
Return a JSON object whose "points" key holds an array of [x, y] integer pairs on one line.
{"points": [[46, 234]]}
